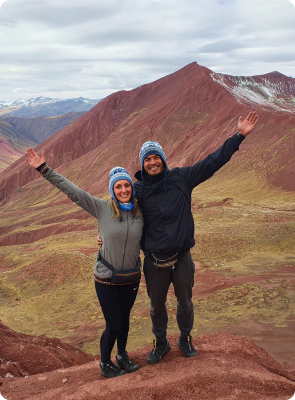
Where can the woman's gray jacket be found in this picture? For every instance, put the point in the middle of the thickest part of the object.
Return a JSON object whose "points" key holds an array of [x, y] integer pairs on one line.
{"points": [[121, 240]]}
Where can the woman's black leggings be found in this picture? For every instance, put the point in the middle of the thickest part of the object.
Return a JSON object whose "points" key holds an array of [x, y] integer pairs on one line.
{"points": [[116, 302]]}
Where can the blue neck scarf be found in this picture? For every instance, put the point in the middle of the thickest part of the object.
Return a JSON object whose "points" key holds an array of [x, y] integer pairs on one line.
{"points": [[126, 206]]}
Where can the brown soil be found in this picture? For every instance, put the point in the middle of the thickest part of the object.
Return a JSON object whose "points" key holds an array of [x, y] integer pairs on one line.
{"points": [[227, 367]]}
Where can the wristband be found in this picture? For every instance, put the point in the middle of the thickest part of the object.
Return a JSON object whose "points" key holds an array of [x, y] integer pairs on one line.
{"points": [[40, 167]]}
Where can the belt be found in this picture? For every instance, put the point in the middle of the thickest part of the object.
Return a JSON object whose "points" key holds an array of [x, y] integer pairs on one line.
{"points": [[168, 262], [105, 281]]}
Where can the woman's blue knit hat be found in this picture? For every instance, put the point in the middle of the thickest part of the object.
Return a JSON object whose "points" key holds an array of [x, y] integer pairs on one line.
{"points": [[149, 148], [116, 174]]}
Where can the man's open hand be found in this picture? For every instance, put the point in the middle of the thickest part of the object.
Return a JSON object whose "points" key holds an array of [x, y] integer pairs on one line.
{"points": [[247, 126]]}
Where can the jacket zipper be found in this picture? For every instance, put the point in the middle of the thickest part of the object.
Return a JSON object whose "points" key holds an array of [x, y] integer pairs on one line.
{"points": [[125, 240]]}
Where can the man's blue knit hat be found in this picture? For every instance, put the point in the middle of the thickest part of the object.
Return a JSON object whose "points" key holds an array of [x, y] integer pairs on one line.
{"points": [[116, 174], [149, 148]]}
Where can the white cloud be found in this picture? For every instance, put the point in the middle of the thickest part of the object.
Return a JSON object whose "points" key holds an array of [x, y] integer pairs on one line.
{"points": [[93, 47]]}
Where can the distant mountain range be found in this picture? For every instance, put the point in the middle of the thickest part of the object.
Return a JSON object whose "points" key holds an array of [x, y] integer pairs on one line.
{"points": [[46, 106], [26, 123]]}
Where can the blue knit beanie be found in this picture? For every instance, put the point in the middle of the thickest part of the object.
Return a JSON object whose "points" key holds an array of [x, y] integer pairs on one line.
{"points": [[116, 174], [149, 148]]}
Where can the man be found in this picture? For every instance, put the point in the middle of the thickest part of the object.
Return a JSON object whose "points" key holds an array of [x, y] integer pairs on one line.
{"points": [[165, 200]]}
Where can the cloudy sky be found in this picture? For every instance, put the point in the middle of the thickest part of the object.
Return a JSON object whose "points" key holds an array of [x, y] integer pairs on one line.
{"points": [[92, 48]]}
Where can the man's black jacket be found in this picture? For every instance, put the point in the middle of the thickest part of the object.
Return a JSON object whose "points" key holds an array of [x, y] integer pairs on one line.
{"points": [[169, 224]]}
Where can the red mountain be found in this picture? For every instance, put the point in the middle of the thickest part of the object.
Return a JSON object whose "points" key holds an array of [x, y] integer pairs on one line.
{"points": [[8, 154], [190, 112]]}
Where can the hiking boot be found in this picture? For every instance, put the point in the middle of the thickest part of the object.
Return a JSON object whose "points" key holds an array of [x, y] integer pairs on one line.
{"points": [[110, 370], [158, 351], [124, 362], [185, 344]]}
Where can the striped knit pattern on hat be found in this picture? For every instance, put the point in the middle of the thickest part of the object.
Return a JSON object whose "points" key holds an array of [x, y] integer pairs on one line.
{"points": [[149, 148], [116, 174]]}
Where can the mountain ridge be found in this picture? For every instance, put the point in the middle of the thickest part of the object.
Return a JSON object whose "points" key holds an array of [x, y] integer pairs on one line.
{"points": [[268, 90], [187, 105], [19, 133], [41, 128]]}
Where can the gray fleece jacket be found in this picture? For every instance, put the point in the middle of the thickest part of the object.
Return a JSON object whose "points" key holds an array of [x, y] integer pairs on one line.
{"points": [[121, 240]]}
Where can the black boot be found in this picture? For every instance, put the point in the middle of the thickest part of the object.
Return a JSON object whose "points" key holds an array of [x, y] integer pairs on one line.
{"points": [[158, 351], [123, 361], [110, 370], [185, 344]]}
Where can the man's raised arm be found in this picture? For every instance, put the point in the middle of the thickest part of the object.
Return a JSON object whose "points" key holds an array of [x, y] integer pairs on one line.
{"points": [[203, 170]]}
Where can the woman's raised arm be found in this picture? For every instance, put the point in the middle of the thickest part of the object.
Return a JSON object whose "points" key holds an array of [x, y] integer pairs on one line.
{"points": [[83, 199]]}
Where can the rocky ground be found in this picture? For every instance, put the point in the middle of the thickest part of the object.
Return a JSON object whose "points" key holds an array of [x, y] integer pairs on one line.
{"points": [[227, 367], [23, 355]]}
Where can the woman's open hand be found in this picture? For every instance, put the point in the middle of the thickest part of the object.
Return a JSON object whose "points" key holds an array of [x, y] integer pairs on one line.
{"points": [[33, 159]]}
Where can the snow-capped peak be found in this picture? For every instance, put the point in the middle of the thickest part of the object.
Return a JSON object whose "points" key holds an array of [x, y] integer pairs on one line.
{"points": [[273, 90]]}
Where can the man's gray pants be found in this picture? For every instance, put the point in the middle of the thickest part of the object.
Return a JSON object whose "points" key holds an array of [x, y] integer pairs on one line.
{"points": [[158, 282]]}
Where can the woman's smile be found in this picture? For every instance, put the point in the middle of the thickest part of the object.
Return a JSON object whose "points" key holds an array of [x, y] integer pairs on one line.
{"points": [[123, 191]]}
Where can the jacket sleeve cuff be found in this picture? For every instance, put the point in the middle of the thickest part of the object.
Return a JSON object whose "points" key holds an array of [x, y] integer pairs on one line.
{"points": [[240, 137]]}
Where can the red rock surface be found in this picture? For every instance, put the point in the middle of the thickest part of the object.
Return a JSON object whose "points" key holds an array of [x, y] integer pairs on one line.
{"points": [[23, 355], [38, 234], [227, 367]]}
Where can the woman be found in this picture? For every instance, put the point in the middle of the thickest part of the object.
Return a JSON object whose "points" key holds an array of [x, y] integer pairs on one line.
{"points": [[120, 224]]}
